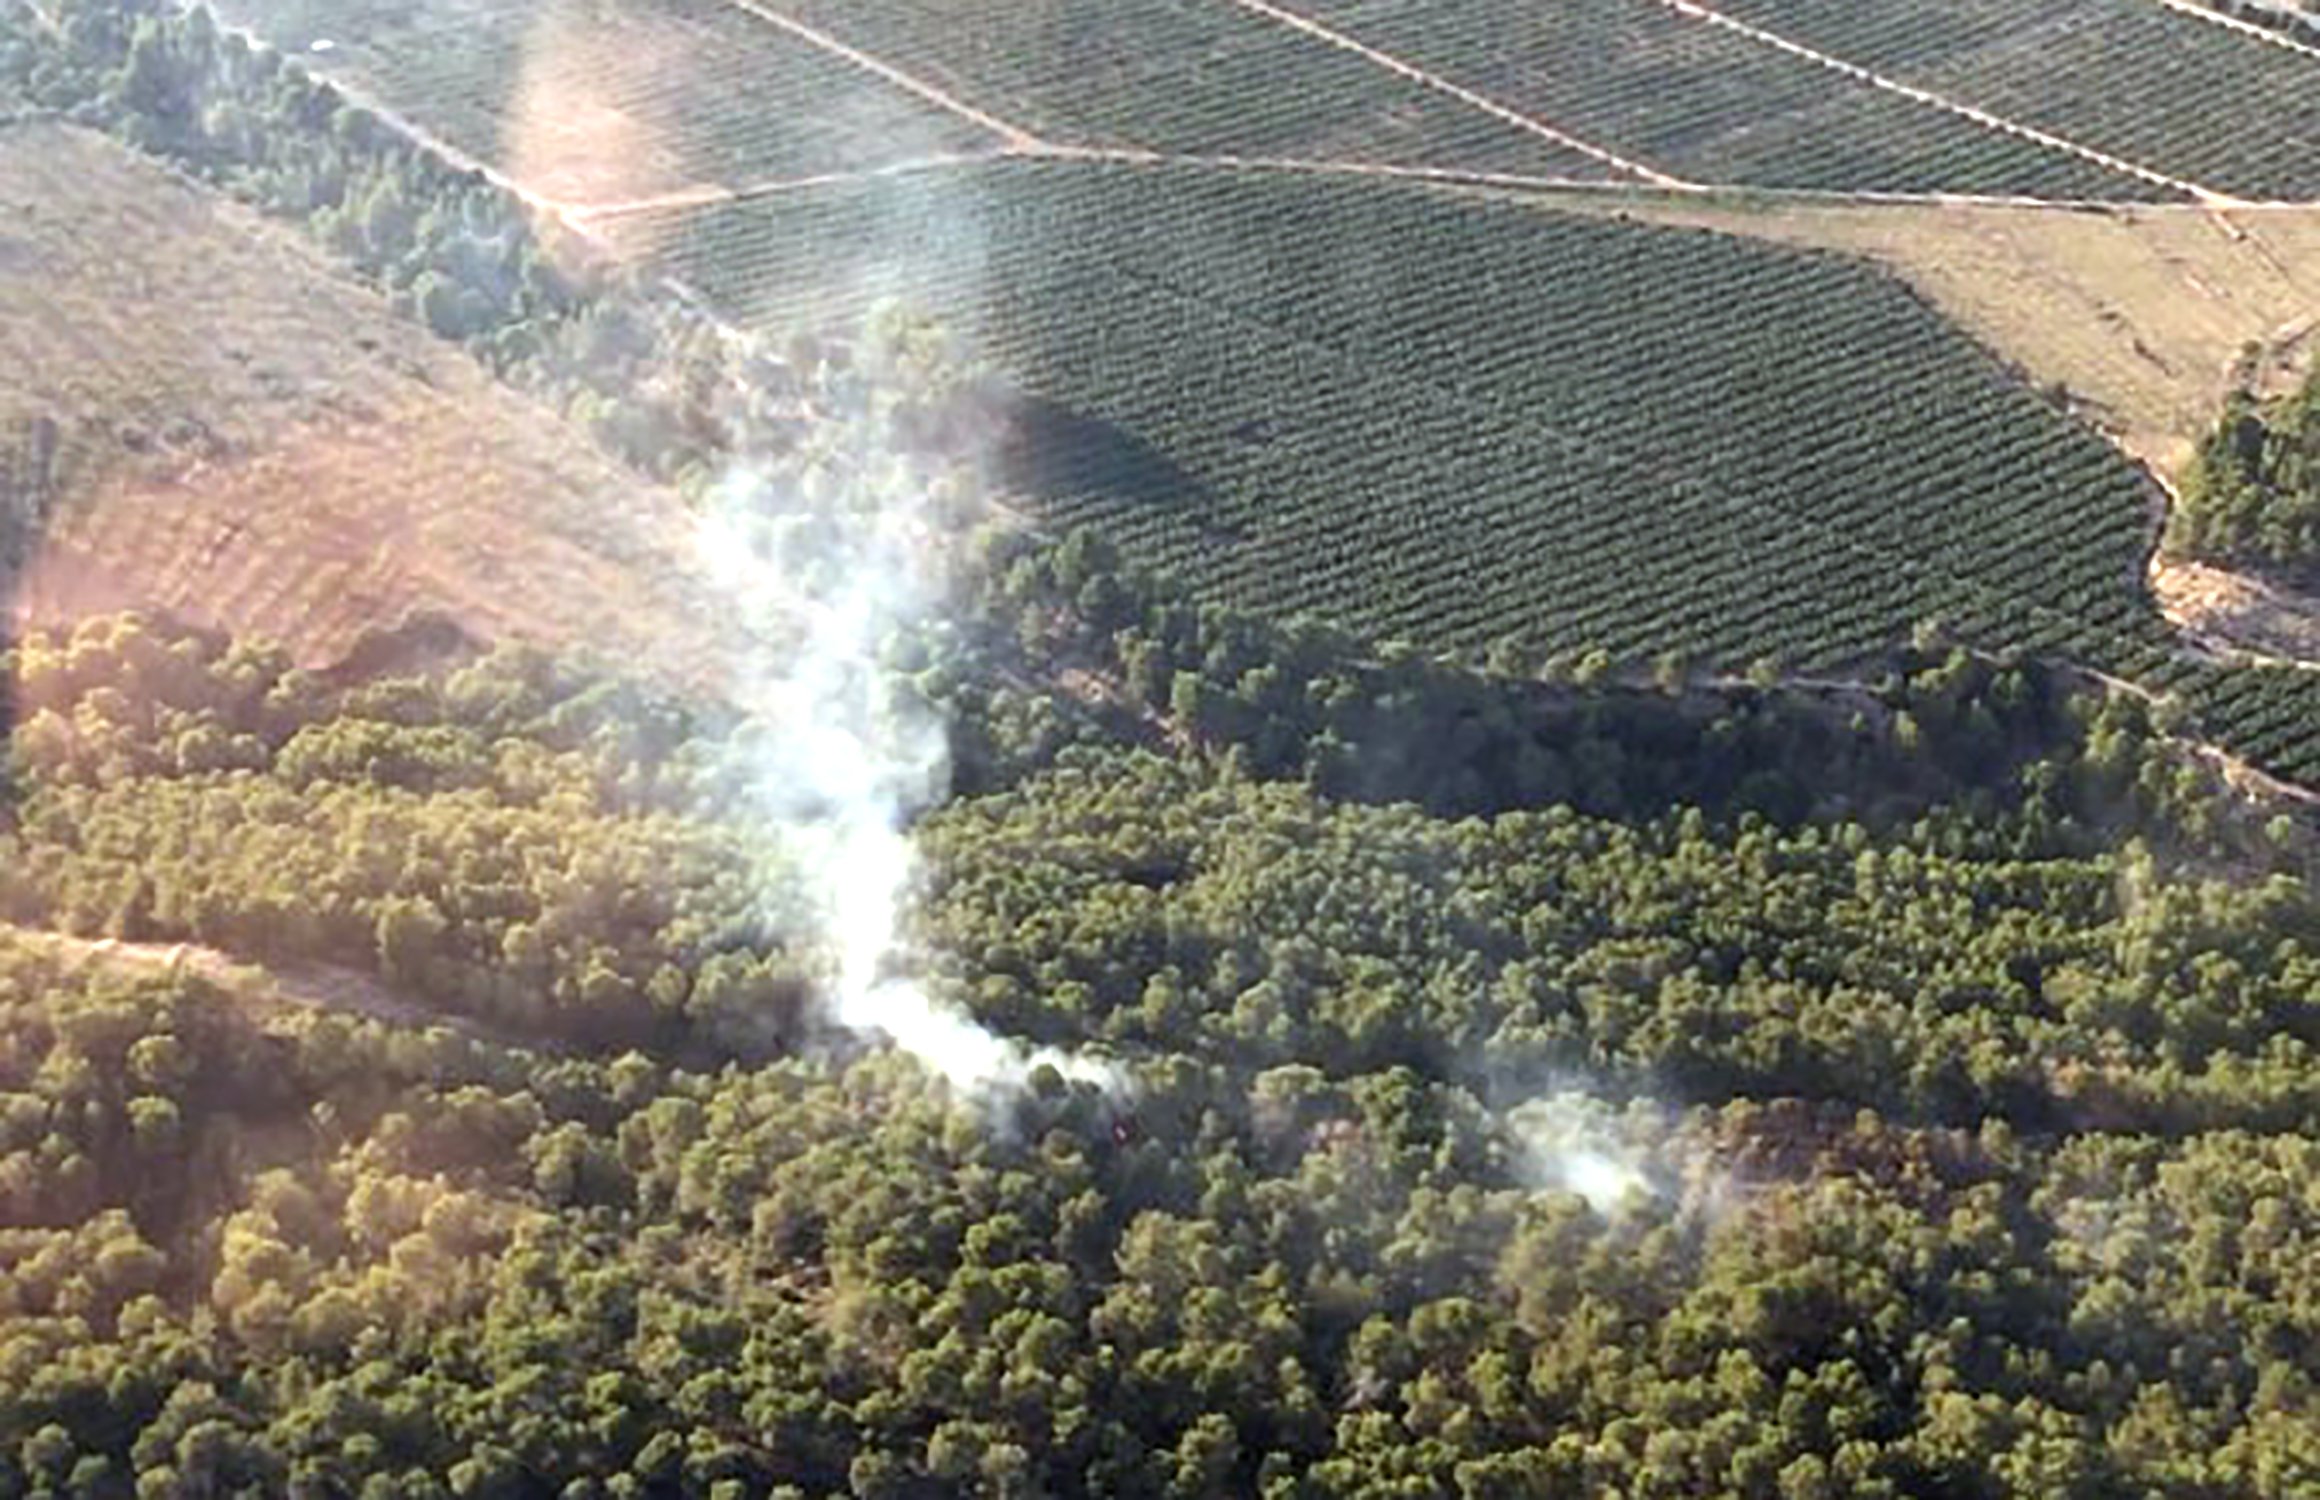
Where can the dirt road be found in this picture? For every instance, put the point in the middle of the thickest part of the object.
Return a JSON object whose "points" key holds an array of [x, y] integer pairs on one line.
{"points": [[298, 986]]}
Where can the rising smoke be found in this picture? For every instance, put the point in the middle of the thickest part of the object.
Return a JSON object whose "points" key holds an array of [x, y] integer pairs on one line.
{"points": [[1572, 1143], [1640, 1155], [826, 570], [822, 563]]}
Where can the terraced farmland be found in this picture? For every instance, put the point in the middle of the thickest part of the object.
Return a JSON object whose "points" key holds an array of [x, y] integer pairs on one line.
{"points": [[2175, 92], [594, 100], [1459, 423]]}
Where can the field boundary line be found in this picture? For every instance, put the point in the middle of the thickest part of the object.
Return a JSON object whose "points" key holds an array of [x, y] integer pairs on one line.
{"points": [[1464, 95], [1614, 188], [1982, 117], [1013, 135], [1133, 156], [715, 194], [585, 216], [2260, 32], [699, 195], [1521, 182]]}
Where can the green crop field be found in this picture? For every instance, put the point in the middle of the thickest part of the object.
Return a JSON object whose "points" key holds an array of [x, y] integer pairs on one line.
{"points": [[1183, 76], [1466, 424], [1710, 105], [1454, 423], [1460, 422], [614, 99], [2175, 92], [1449, 422]]}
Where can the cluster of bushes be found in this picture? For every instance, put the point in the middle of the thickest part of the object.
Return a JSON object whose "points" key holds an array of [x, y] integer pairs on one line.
{"points": [[2253, 496]]}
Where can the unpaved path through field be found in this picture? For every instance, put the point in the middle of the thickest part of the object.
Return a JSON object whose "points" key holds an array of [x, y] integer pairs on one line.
{"points": [[1466, 96], [591, 215], [1014, 135], [705, 195], [1982, 117], [2241, 775]]}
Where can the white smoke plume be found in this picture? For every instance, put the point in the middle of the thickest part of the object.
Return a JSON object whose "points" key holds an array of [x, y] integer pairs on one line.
{"points": [[825, 569], [1642, 1155], [1571, 1143]]}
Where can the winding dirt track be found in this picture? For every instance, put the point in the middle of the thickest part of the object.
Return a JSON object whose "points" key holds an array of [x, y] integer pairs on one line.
{"points": [[585, 215]]}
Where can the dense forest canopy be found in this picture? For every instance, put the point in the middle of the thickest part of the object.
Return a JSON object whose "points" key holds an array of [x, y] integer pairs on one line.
{"points": [[1733, 1144], [1507, 1078]]}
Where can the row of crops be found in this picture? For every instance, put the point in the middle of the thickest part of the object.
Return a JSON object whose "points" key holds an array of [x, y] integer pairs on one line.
{"points": [[1711, 105], [1458, 423], [2270, 716], [2133, 78], [602, 100], [617, 99], [1196, 77]]}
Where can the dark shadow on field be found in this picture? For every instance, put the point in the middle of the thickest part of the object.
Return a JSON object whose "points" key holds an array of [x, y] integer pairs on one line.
{"points": [[1053, 452]]}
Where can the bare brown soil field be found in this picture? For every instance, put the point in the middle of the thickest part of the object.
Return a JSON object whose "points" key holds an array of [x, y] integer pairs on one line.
{"points": [[245, 439], [2234, 615], [2139, 312]]}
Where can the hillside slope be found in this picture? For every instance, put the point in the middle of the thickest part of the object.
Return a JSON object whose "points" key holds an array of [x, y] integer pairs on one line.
{"points": [[222, 426]]}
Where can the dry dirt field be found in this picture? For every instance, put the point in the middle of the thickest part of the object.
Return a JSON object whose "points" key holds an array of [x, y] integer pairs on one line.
{"points": [[2140, 312], [245, 439], [2233, 615]]}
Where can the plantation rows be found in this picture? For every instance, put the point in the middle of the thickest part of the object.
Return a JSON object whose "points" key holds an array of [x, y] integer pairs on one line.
{"points": [[1182, 76], [1566, 432], [613, 99], [2130, 77], [1458, 423], [1706, 103], [2269, 716]]}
